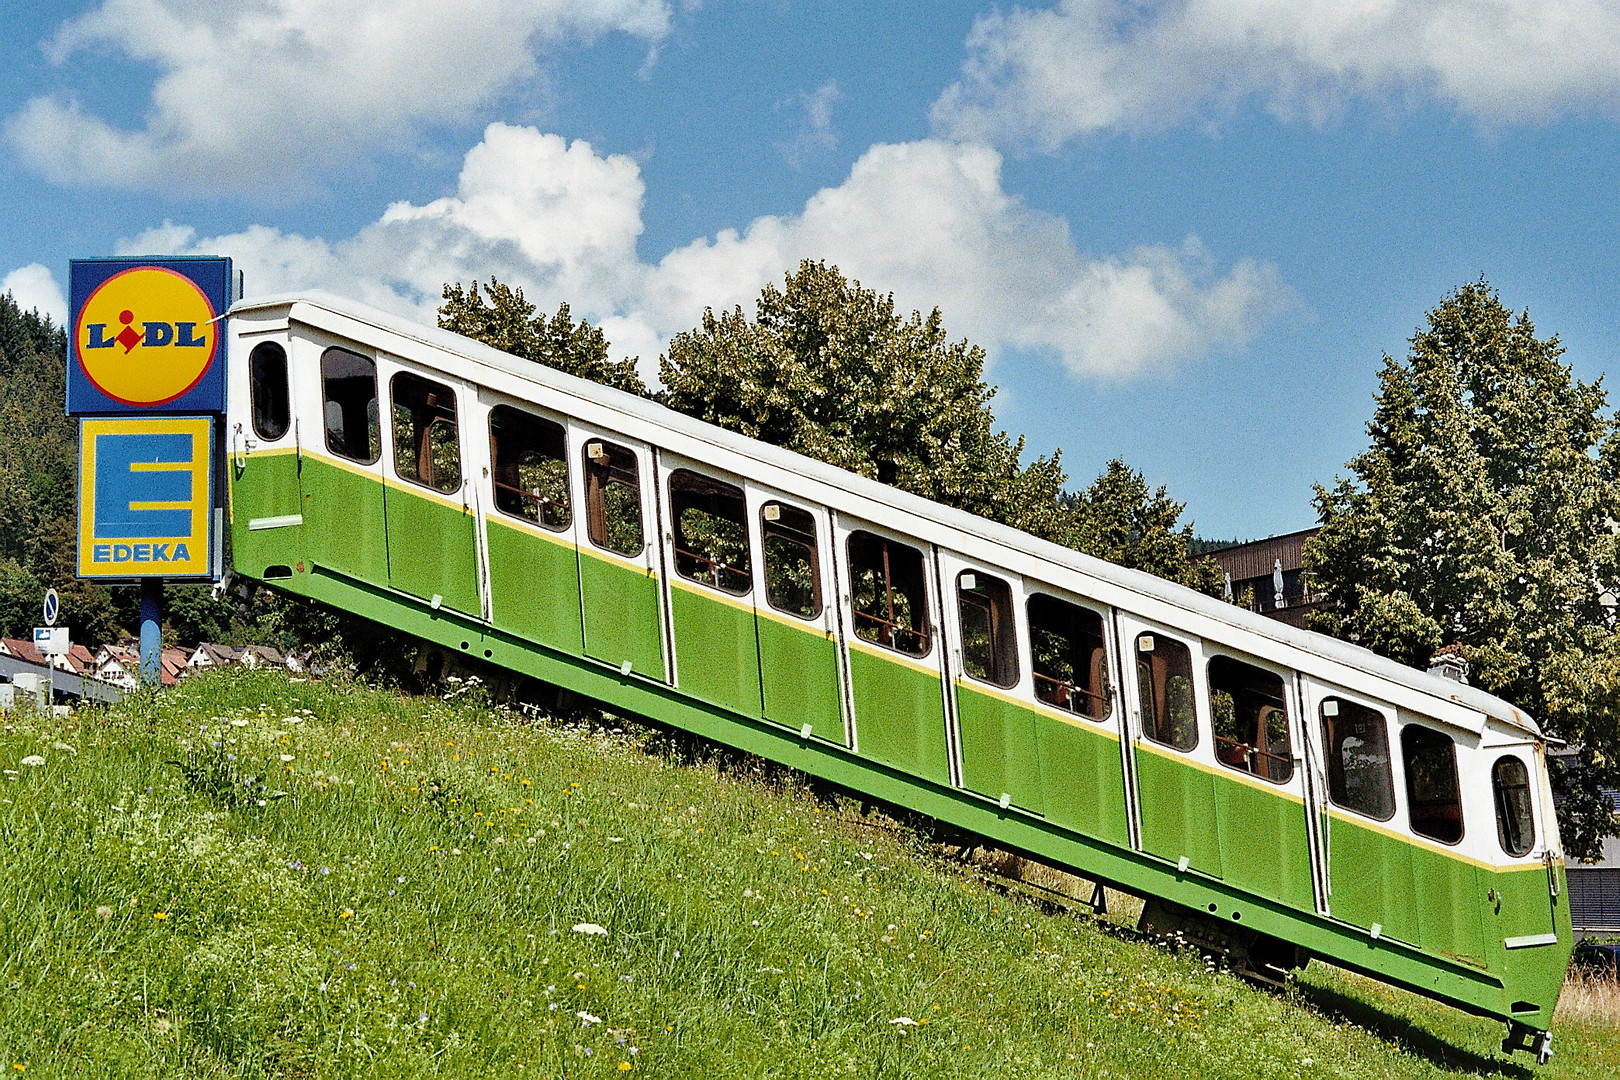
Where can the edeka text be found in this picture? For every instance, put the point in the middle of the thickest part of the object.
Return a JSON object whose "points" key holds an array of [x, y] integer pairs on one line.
{"points": [[139, 553]]}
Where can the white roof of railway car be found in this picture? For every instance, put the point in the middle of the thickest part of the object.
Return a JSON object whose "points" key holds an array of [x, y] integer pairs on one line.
{"points": [[1148, 585]]}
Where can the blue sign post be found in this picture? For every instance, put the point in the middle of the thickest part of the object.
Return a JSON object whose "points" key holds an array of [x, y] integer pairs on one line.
{"points": [[146, 377]]}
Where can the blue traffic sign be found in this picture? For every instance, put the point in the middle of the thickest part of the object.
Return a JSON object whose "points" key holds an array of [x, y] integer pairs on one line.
{"points": [[53, 607]]}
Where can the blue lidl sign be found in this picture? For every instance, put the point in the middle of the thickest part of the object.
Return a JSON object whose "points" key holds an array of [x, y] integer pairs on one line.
{"points": [[146, 497], [147, 336]]}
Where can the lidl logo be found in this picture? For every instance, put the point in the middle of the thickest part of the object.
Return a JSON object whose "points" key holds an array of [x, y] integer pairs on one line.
{"points": [[148, 335], [145, 497]]}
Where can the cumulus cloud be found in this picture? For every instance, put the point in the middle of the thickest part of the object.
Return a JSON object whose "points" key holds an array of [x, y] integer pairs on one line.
{"points": [[929, 221], [34, 288], [259, 95], [1045, 76]]}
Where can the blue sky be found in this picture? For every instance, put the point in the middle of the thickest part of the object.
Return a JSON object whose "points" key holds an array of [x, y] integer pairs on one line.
{"points": [[1185, 232]]}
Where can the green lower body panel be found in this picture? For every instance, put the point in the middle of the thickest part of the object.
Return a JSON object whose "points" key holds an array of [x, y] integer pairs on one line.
{"points": [[999, 752], [1082, 779], [264, 488], [1450, 906], [1527, 909], [1178, 811], [1370, 878], [432, 550], [899, 716], [534, 587], [799, 678], [344, 524], [1265, 845], [716, 650], [620, 615]]}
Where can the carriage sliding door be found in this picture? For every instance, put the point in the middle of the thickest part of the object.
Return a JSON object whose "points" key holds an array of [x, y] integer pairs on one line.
{"points": [[619, 589], [795, 616], [893, 649]]}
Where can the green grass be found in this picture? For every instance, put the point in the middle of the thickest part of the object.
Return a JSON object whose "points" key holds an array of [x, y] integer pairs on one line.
{"points": [[404, 904]]}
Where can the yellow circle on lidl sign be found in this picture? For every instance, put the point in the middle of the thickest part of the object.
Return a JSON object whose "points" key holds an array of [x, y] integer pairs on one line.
{"points": [[146, 336]]}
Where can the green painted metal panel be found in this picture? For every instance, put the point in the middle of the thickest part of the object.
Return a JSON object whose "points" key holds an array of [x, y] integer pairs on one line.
{"points": [[1370, 879], [534, 587], [1082, 778], [1000, 754], [1265, 846], [1178, 811], [798, 669], [899, 715], [1525, 907], [432, 549], [620, 612], [264, 486], [344, 524], [1450, 905], [716, 650]]}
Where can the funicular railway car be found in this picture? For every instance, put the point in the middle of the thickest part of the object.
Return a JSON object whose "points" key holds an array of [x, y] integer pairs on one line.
{"points": [[1273, 793]]}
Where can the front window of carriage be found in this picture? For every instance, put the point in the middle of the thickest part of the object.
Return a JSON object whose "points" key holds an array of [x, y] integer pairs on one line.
{"points": [[349, 405], [1510, 786], [792, 563], [1250, 719], [267, 382], [427, 447], [711, 531], [989, 641], [613, 498], [1433, 798], [530, 467], [1069, 656], [888, 593], [1164, 681], [1357, 742]]}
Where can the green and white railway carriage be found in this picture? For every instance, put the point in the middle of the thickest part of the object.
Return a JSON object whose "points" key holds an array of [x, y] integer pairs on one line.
{"points": [[1274, 793]]}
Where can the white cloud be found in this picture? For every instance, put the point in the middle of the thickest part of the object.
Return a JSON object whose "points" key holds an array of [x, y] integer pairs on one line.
{"points": [[1046, 76], [928, 221], [815, 131], [34, 288], [262, 95]]}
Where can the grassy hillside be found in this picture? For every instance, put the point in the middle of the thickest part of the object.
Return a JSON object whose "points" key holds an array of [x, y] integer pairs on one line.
{"points": [[256, 876]]}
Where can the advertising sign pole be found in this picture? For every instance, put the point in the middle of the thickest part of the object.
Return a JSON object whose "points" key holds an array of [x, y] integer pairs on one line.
{"points": [[151, 631]]}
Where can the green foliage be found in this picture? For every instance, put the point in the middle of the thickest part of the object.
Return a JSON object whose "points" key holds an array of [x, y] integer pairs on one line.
{"points": [[1119, 519], [508, 322], [1483, 515], [407, 910]]}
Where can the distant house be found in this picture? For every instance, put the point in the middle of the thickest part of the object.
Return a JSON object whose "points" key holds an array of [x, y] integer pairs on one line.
{"points": [[1257, 568], [121, 665], [81, 660], [256, 656], [209, 655], [22, 649]]}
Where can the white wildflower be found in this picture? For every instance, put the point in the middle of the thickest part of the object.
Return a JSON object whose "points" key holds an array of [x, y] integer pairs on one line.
{"points": [[590, 928], [32, 759], [586, 1019], [903, 1021], [239, 721]]}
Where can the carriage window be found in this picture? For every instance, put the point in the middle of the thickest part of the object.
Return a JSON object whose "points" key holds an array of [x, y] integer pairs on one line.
{"points": [[888, 594], [613, 498], [531, 467], [1070, 657], [1515, 828], [1358, 758], [792, 568], [989, 642], [426, 448], [349, 388], [1164, 680], [1250, 720], [711, 537], [267, 370], [1433, 801]]}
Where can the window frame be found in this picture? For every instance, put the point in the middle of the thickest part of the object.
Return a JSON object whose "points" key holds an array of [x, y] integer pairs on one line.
{"points": [[1213, 657], [589, 472], [769, 527], [1497, 803], [1106, 695], [497, 486], [327, 399], [1412, 803], [1151, 733], [425, 434], [924, 630], [1004, 644], [267, 348], [1333, 762], [677, 530]]}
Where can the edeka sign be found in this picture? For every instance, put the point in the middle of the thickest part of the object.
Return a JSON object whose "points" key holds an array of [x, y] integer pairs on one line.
{"points": [[148, 335], [146, 497]]}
